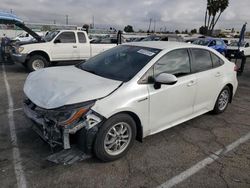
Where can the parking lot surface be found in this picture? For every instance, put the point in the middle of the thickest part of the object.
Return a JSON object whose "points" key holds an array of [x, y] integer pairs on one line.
{"points": [[149, 164]]}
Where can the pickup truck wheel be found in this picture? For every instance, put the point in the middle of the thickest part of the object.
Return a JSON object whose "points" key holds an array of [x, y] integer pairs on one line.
{"points": [[37, 62], [115, 137]]}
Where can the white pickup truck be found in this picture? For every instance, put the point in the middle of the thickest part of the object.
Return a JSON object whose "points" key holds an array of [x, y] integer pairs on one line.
{"points": [[63, 45]]}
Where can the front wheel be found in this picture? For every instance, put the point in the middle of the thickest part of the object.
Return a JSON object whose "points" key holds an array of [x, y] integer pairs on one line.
{"points": [[37, 62], [222, 100], [115, 137]]}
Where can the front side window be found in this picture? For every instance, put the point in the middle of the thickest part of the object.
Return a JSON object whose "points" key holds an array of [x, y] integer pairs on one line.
{"points": [[201, 60], [175, 62], [120, 63], [81, 37], [67, 37]]}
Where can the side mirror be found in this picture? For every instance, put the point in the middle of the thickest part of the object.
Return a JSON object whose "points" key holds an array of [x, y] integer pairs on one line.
{"points": [[164, 78], [57, 41]]}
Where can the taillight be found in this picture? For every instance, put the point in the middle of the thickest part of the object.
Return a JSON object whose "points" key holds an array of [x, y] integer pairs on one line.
{"points": [[236, 68]]}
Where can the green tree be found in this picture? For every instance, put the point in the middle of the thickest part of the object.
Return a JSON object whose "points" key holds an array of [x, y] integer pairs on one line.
{"points": [[86, 27], [177, 32], [203, 30], [128, 29], [193, 31], [213, 12]]}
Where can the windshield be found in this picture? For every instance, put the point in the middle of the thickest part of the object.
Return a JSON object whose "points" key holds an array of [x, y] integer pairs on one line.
{"points": [[50, 36], [203, 42], [120, 63]]}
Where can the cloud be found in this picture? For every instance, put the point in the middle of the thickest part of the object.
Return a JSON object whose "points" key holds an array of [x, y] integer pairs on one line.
{"points": [[177, 14]]}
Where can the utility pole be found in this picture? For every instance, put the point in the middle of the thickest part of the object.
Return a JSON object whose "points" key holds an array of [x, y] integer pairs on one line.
{"points": [[67, 19], [154, 25], [93, 22], [150, 20]]}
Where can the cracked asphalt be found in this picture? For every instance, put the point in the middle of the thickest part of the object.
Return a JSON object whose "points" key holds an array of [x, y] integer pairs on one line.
{"points": [[149, 164]]}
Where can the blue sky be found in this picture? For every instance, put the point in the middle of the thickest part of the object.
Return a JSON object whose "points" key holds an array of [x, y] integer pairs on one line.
{"points": [[172, 14]]}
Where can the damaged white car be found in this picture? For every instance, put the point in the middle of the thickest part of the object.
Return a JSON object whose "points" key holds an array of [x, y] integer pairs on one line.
{"points": [[129, 92]]}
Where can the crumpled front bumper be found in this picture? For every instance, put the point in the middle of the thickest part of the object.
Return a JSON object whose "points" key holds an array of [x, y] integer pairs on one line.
{"points": [[56, 135]]}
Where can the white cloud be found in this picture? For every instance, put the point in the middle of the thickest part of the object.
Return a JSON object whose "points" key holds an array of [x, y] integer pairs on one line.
{"points": [[173, 14]]}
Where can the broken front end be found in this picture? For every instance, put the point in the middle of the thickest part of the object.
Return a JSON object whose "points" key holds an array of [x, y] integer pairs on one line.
{"points": [[61, 126]]}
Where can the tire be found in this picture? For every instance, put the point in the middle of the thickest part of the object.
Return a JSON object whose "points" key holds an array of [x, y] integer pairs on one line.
{"points": [[111, 143], [37, 62], [222, 101]]}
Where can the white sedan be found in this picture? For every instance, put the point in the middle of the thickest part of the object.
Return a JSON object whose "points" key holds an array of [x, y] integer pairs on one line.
{"points": [[129, 92]]}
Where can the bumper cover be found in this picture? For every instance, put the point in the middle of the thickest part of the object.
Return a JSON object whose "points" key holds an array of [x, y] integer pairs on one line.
{"points": [[20, 58], [85, 130]]}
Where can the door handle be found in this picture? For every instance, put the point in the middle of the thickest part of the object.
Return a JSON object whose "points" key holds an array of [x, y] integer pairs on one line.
{"points": [[191, 83], [74, 46], [218, 74]]}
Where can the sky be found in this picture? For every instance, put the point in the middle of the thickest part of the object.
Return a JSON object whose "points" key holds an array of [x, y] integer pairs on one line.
{"points": [[172, 14]]}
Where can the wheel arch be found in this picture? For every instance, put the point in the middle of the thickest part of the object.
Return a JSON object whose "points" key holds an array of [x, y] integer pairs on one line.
{"points": [[39, 52], [139, 128], [231, 91]]}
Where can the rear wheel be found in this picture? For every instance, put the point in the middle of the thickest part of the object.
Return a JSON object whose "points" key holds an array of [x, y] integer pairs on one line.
{"points": [[37, 62], [115, 137], [222, 100]]}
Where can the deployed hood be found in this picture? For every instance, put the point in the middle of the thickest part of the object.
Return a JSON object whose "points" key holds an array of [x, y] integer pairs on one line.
{"points": [[58, 86]]}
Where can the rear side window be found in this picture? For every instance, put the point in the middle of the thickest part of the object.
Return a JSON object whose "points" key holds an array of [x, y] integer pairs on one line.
{"points": [[201, 60], [216, 60], [81, 37], [176, 62], [67, 37]]}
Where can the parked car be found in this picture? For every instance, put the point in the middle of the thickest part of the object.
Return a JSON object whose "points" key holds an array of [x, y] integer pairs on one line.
{"points": [[169, 37], [63, 45], [128, 92], [217, 44], [27, 37], [233, 51]]}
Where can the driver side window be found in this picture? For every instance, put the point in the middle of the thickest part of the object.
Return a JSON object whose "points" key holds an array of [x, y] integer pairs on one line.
{"points": [[176, 62], [67, 37]]}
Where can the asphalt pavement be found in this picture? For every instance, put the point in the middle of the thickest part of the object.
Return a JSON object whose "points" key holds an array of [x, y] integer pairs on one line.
{"points": [[160, 159]]}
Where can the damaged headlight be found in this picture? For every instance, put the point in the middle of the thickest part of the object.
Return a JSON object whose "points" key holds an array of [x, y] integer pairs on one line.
{"points": [[69, 114], [20, 49]]}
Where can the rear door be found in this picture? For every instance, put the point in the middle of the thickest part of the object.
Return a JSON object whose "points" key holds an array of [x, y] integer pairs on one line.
{"points": [[64, 47], [83, 46], [208, 79]]}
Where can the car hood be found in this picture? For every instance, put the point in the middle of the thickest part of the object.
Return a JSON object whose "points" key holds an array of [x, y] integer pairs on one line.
{"points": [[51, 88]]}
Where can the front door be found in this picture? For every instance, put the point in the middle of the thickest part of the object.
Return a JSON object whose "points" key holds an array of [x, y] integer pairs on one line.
{"points": [[64, 47], [171, 104]]}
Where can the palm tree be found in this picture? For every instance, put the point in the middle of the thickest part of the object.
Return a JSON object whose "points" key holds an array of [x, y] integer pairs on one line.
{"points": [[213, 12]]}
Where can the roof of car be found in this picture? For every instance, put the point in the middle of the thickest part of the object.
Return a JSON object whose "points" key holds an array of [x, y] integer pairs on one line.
{"points": [[164, 45]]}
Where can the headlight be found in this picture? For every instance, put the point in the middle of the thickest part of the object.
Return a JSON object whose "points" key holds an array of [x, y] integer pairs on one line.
{"points": [[70, 114], [20, 49]]}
